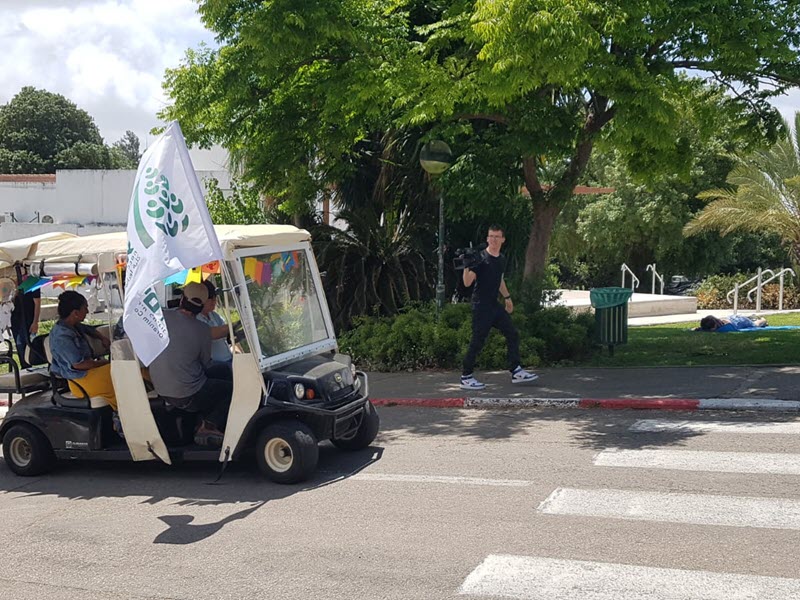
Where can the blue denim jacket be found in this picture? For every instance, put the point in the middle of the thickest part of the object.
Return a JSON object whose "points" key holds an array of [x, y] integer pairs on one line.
{"points": [[68, 347]]}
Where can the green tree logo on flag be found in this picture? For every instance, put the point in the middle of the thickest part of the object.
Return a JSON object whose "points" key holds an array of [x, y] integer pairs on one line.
{"points": [[164, 207]]}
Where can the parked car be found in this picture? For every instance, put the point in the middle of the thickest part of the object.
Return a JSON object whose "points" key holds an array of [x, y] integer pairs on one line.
{"points": [[680, 285]]}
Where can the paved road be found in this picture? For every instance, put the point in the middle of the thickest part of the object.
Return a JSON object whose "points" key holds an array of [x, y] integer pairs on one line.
{"points": [[662, 382], [534, 504]]}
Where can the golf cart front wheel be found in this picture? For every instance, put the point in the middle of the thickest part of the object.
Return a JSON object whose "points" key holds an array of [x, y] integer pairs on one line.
{"points": [[365, 434], [27, 451], [287, 452]]}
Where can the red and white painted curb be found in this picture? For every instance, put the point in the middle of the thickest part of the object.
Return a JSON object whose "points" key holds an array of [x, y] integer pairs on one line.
{"points": [[767, 404]]}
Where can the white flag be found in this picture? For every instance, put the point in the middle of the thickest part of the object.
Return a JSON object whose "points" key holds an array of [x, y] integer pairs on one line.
{"points": [[169, 230]]}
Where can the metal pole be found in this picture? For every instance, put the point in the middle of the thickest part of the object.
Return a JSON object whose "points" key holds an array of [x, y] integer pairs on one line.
{"points": [[440, 275], [780, 294], [653, 287], [758, 293], [736, 298]]}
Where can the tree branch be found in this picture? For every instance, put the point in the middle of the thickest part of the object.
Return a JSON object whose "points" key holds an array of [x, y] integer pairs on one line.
{"points": [[583, 150], [529, 173]]}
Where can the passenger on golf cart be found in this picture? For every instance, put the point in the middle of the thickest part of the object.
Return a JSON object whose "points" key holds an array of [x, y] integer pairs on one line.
{"points": [[72, 357], [179, 372], [221, 355]]}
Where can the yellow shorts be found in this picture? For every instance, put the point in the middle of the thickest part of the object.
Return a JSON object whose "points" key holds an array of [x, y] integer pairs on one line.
{"points": [[97, 382]]}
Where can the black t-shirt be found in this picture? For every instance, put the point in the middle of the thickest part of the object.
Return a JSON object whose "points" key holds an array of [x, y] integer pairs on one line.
{"points": [[24, 300], [490, 275]]}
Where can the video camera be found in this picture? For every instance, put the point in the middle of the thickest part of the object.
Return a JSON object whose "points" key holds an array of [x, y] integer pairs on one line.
{"points": [[469, 258]]}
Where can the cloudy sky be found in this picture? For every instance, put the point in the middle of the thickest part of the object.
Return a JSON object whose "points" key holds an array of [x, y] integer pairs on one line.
{"points": [[109, 56]]}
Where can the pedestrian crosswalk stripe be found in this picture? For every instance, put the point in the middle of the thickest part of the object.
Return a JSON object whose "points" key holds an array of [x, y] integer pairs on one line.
{"points": [[696, 509], [698, 460], [439, 479], [532, 578], [656, 425]]}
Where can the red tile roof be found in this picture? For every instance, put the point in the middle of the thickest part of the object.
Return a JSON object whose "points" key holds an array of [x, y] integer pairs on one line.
{"points": [[45, 178]]}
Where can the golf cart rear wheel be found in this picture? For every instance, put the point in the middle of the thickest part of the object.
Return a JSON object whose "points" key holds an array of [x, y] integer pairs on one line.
{"points": [[27, 451], [287, 452], [366, 432]]}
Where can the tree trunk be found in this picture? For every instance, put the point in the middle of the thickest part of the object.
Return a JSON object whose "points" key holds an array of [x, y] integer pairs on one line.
{"points": [[548, 205], [544, 219]]}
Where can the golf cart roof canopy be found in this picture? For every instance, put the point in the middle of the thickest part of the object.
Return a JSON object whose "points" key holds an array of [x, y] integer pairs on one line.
{"points": [[14, 251], [64, 246]]}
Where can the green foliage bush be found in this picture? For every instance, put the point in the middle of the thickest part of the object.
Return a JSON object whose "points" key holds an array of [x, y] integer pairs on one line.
{"points": [[414, 339], [713, 291]]}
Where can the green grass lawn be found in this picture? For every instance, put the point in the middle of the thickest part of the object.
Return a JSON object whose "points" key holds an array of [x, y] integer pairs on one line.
{"points": [[674, 345]]}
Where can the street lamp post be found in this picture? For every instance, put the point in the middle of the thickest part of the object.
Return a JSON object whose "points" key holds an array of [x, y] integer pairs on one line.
{"points": [[436, 157]]}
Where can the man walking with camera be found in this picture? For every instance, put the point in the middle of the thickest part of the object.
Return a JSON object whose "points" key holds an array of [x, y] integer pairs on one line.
{"points": [[487, 312]]}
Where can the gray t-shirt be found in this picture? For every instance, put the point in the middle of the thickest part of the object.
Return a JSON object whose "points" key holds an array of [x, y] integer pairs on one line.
{"points": [[179, 371]]}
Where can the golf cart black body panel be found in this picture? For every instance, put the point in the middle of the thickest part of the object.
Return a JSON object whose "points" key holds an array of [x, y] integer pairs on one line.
{"points": [[332, 381], [64, 427]]}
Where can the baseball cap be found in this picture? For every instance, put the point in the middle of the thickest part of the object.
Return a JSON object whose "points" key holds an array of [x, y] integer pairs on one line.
{"points": [[195, 293]]}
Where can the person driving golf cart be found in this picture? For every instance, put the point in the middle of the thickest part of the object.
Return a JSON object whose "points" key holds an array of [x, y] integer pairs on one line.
{"points": [[179, 372], [72, 356]]}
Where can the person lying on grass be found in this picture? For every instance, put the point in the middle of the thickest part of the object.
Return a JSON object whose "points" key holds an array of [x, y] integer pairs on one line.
{"points": [[732, 323]]}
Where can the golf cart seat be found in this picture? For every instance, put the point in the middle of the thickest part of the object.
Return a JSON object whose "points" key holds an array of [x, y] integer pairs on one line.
{"points": [[61, 392], [18, 380]]}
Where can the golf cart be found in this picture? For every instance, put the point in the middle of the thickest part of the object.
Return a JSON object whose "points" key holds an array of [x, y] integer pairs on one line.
{"points": [[291, 387]]}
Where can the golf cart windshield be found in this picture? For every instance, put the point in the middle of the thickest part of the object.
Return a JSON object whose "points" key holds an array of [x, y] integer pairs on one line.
{"points": [[289, 317]]}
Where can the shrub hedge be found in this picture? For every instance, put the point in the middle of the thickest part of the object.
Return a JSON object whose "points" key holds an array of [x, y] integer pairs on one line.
{"points": [[712, 293], [414, 339]]}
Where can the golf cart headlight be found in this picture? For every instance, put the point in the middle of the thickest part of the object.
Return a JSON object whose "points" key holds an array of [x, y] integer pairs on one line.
{"points": [[353, 370], [299, 390]]}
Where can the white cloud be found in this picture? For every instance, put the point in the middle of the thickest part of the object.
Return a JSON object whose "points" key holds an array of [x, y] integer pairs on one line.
{"points": [[107, 56]]}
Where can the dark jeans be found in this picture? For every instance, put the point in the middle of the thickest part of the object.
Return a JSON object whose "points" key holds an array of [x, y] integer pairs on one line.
{"points": [[484, 317], [211, 401], [21, 342], [220, 370]]}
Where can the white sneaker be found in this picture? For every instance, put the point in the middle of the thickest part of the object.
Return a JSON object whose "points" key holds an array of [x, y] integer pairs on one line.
{"points": [[470, 383], [520, 375]]}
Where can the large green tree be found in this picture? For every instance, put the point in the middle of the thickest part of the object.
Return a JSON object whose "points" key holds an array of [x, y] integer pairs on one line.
{"points": [[296, 84], [126, 150], [41, 131], [641, 222]]}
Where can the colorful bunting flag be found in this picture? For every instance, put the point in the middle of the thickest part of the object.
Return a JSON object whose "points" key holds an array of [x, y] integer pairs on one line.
{"points": [[250, 268], [212, 267], [30, 283], [195, 275], [178, 278]]}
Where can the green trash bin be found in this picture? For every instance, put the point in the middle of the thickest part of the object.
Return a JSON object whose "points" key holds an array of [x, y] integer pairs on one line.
{"points": [[611, 315]]}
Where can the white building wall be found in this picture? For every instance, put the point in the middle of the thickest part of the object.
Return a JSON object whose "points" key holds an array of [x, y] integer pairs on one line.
{"points": [[92, 196], [79, 197]]}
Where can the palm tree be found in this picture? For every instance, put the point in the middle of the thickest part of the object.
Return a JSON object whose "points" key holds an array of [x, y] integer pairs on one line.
{"points": [[384, 257], [764, 195]]}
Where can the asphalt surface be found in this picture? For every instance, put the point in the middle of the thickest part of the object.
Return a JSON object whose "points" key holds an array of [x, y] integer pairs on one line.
{"points": [[412, 517], [665, 382]]}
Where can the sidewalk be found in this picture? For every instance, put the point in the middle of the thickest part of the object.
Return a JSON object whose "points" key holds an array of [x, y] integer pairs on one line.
{"points": [[745, 388]]}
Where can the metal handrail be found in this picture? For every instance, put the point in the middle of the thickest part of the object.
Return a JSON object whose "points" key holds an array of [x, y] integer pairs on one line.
{"points": [[780, 274], [736, 287], [655, 276], [634, 278]]}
